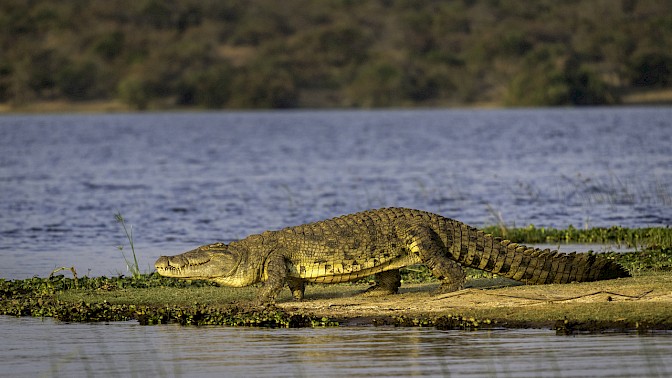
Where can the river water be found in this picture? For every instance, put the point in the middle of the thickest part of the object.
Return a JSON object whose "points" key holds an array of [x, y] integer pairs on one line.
{"points": [[186, 179], [34, 347]]}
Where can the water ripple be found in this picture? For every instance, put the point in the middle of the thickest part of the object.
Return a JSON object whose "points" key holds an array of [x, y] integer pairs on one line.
{"points": [[194, 178]]}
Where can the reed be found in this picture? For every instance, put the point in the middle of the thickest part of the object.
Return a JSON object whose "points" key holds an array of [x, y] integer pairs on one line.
{"points": [[132, 266]]}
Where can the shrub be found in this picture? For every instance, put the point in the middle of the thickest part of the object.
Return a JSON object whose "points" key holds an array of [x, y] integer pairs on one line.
{"points": [[77, 81], [211, 88], [134, 91], [651, 70], [271, 86]]}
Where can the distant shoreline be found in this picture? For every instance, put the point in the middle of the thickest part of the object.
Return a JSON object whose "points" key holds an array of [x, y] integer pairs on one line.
{"points": [[659, 97]]}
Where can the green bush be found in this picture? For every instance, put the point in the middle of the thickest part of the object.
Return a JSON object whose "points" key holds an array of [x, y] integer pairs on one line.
{"points": [[652, 69], [210, 88], [545, 82], [134, 91], [76, 81], [110, 45], [376, 84], [269, 86]]}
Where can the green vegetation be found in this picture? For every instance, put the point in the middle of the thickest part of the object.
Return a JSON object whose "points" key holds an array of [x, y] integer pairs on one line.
{"points": [[111, 299], [151, 54], [650, 237]]}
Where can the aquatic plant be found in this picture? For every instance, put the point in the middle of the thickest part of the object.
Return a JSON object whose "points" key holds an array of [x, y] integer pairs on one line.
{"points": [[87, 301], [638, 238], [71, 269], [646, 260], [445, 322], [133, 267]]}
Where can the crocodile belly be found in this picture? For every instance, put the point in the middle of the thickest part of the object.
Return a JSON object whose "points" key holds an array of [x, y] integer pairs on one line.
{"points": [[347, 270]]}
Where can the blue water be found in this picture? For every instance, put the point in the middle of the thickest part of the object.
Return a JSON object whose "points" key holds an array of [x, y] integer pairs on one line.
{"points": [[186, 179]]}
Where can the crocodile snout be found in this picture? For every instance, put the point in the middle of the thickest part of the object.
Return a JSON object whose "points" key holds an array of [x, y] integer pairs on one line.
{"points": [[162, 263]]}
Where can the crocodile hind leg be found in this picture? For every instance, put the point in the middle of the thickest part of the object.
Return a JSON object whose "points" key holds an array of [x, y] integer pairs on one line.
{"points": [[387, 283], [451, 274], [428, 246]]}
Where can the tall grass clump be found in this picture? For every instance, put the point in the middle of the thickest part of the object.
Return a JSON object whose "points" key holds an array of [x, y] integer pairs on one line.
{"points": [[638, 238], [132, 266]]}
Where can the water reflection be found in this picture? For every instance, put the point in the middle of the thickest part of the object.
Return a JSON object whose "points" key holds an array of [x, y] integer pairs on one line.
{"points": [[37, 347]]}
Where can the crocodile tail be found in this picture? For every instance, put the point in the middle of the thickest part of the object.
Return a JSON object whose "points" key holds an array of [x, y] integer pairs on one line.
{"points": [[530, 265]]}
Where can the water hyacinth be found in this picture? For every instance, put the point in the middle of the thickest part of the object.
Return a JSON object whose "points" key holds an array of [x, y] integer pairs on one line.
{"points": [[39, 297]]}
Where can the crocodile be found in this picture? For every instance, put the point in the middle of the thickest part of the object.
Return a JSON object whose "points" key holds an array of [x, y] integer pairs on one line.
{"points": [[378, 243]]}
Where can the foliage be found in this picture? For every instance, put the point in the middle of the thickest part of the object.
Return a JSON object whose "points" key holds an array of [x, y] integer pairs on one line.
{"points": [[652, 70], [39, 297], [446, 322], [646, 260], [265, 53], [646, 238]]}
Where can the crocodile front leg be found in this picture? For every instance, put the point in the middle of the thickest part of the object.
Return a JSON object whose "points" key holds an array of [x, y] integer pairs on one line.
{"points": [[276, 273], [426, 244]]}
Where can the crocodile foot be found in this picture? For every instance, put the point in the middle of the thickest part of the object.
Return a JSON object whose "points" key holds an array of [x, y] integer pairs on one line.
{"points": [[448, 288], [377, 291]]}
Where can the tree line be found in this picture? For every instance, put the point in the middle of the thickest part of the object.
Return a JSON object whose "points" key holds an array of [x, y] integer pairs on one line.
{"points": [[333, 53]]}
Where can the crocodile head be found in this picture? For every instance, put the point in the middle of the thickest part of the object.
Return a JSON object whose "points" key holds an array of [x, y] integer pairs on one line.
{"points": [[214, 262]]}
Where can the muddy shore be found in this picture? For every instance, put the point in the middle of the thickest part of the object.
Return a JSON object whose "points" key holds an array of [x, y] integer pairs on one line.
{"points": [[641, 303]]}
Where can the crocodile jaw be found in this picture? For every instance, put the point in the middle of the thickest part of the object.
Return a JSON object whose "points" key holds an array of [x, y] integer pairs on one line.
{"points": [[211, 262]]}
